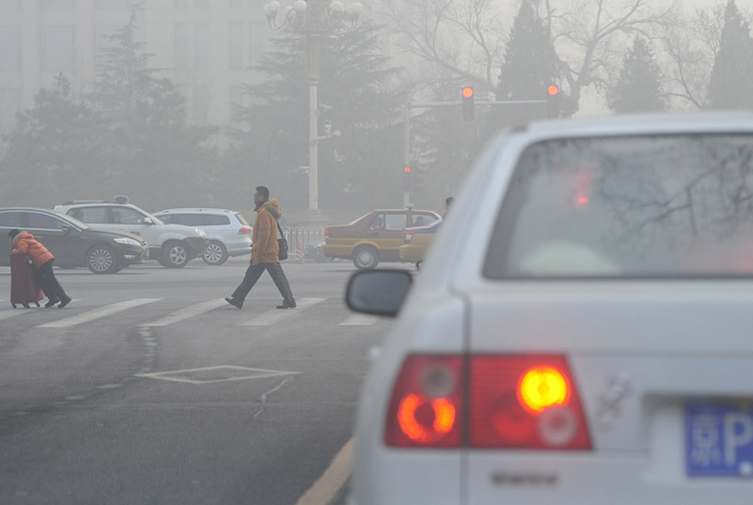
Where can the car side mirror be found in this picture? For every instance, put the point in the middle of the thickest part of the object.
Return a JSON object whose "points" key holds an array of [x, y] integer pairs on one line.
{"points": [[378, 292], [148, 220]]}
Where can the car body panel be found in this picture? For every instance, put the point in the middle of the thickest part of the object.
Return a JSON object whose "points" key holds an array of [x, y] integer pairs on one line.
{"points": [[422, 237], [639, 350], [235, 244], [69, 245], [128, 218], [382, 229]]}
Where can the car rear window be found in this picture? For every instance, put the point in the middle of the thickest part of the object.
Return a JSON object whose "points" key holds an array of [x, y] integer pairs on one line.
{"points": [[639, 206], [241, 219]]}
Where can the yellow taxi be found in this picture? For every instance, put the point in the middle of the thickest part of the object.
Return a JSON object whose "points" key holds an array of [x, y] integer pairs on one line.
{"points": [[417, 241], [375, 237]]}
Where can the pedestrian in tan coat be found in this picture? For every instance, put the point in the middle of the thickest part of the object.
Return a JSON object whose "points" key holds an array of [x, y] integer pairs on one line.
{"points": [[264, 252]]}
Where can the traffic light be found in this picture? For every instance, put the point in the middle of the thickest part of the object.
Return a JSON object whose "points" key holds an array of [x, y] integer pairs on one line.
{"points": [[407, 178], [553, 101], [468, 112]]}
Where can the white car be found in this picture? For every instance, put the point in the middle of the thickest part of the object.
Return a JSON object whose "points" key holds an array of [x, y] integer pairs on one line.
{"points": [[173, 245], [228, 231], [582, 332]]}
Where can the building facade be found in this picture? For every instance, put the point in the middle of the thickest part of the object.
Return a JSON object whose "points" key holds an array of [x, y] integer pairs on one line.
{"points": [[207, 47]]}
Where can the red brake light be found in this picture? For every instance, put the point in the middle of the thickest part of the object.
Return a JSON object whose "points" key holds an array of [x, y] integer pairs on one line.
{"points": [[525, 402], [426, 407], [326, 232], [244, 231], [409, 237]]}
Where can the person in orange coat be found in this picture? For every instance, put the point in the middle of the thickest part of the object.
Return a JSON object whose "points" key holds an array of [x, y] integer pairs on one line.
{"points": [[23, 243], [264, 252]]}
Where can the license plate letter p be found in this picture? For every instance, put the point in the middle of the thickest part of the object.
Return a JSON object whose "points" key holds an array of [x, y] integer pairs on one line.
{"points": [[738, 432]]}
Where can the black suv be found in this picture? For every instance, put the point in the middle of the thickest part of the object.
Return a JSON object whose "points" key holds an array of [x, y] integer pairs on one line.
{"points": [[72, 242]]}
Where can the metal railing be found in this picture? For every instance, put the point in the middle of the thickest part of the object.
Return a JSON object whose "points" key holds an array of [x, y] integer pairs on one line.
{"points": [[303, 236]]}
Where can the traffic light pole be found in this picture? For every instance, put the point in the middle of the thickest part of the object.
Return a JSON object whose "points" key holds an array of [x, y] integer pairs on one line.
{"points": [[430, 105]]}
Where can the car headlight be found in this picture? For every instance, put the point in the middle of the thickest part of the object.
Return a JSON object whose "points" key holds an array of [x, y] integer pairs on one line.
{"points": [[201, 233], [127, 241]]}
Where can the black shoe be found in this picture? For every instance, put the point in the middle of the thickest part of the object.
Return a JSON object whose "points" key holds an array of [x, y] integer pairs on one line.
{"points": [[232, 301], [287, 305], [64, 302], [51, 302]]}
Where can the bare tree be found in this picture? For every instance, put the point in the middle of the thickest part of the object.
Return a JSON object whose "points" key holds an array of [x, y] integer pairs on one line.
{"points": [[590, 35]]}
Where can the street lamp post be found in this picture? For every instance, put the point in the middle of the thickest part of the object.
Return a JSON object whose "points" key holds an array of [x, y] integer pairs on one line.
{"points": [[315, 19]]}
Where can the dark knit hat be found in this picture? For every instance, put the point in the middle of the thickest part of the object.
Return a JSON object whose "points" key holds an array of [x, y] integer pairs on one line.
{"points": [[14, 232]]}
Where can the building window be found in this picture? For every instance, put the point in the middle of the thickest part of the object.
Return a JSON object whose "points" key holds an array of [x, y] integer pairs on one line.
{"points": [[255, 43], [56, 48], [181, 46], [236, 46], [10, 4], [10, 103], [200, 46], [104, 39], [57, 4], [113, 4], [10, 41]]}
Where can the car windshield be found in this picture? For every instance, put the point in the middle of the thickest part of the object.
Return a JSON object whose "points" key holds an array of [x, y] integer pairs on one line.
{"points": [[667, 206]]}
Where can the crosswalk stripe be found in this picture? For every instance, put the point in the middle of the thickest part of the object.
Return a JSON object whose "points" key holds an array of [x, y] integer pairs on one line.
{"points": [[276, 315], [187, 312], [359, 320], [107, 310]]}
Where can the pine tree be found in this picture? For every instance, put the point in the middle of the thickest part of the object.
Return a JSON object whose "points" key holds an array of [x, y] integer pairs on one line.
{"points": [[152, 154], [731, 84], [358, 96], [54, 152], [531, 65], [639, 87]]}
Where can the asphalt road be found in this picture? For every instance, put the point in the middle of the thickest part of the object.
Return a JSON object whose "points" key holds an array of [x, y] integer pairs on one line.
{"points": [[148, 388]]}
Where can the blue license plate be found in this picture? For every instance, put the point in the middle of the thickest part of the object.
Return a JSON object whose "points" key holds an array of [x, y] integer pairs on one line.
{"points": [[718, 440]]}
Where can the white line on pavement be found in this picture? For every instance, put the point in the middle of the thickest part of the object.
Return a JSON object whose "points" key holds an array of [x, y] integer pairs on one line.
{"points": [[276, 315], [359, 320], [333, 479], [6, 314], [187, 312], [99, 313]]}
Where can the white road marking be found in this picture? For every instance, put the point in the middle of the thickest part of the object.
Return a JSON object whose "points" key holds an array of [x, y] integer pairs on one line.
{"points": [[91, 315], [194, 375], [333, 479], [276, 315], [359, 320], [187, 312]]}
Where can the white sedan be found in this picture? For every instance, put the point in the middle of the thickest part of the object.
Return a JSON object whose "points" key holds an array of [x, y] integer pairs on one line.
{"points": [[582, 332]]}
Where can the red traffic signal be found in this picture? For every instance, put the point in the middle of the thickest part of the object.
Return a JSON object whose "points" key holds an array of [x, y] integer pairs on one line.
{"points": [[467, 102], [553, 90], [407, 170]]}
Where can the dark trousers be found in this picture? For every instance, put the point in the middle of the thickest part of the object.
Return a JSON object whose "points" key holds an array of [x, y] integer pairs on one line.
{"points": [[252, 275], [49, 283]]}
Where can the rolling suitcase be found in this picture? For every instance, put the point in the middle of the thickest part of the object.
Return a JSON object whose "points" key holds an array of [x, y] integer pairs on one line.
{"points": [[23, 284]]}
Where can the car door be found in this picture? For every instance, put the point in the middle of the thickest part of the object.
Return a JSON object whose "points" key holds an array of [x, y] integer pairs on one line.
{"points": [[129, 220], [391, 235], [55, 234]]}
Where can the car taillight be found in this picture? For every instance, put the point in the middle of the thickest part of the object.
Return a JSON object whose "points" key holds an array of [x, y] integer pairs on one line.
{"points": [[409, 237], [525, 402], [326, 232], [244, 231], [426, 408], [510, 402]]}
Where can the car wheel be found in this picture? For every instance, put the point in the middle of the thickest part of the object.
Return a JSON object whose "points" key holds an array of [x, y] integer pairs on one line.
{"points": [[100, 259], [365, 257], [215, 253], [174, 255]]}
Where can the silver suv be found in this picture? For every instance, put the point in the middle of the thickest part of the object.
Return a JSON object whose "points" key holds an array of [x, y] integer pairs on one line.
{"points": [[172, 245], [228, 231]]}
